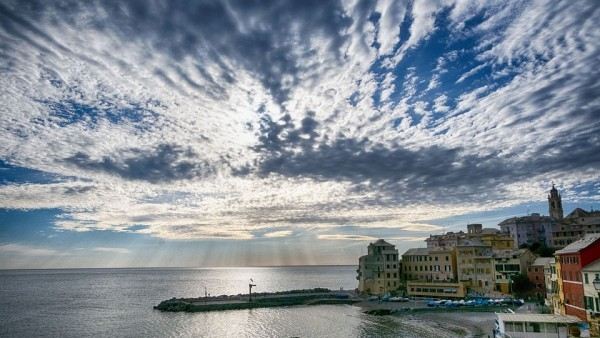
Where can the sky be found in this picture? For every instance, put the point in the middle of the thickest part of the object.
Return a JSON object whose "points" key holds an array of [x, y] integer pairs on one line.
{"points": [[251, 133]]}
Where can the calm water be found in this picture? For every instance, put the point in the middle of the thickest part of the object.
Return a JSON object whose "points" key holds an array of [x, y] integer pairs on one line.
{"points": [[118, 303]]}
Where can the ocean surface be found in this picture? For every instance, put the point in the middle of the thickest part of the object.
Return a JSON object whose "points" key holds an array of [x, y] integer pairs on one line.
{"points": [[118, 303]]}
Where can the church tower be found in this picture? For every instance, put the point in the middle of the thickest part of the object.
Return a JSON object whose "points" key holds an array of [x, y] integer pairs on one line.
{"points": [[555, 204]]}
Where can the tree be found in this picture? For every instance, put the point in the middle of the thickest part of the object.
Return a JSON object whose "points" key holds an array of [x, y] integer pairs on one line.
{"points": [[521, 284]]}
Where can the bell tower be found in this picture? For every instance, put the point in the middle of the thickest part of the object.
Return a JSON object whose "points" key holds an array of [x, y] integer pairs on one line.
{"points": [[555, 204]]}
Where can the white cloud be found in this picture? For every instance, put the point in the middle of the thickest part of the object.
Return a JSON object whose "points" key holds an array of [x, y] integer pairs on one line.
{"points": [[212, 107], [112, 250], [278, 234], [27, 250]]}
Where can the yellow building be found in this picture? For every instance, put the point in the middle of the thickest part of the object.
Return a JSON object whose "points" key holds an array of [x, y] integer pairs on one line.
{"points": [[436, 289], [475, 232], [379, 271], [475, 265], [509, 263], [433, 265], [558, 304]]}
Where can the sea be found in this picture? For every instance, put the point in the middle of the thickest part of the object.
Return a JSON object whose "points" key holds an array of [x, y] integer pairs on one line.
{"points": [[119, 303]]}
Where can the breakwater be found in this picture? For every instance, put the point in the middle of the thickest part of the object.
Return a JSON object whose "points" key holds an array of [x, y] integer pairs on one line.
{"points": [[259, 300]]}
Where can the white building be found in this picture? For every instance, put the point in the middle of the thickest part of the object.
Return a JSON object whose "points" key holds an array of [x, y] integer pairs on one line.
{"points": [[528, 325], [591, 272]]}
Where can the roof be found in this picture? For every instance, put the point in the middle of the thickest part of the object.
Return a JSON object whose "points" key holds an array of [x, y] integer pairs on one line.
{"points": [[382, 242], [579, 245], [578, 212], [543, 261], [533, 218], [509, 253], [416, 251], [537, 318]]}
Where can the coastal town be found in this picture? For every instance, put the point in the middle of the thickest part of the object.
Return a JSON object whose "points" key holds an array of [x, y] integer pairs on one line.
{"points": [[552, 260]]}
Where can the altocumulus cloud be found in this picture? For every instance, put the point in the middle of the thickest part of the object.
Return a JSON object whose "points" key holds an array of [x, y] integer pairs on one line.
{"points": [[336, 120]]}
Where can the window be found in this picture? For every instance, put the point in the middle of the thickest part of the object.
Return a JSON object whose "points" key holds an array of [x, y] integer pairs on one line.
{"points": [[585, 276], [589, 303], [533, 327], [551, 328]]}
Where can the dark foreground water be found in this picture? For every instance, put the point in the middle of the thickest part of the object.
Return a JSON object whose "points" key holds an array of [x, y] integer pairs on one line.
{"points": [[118, 303]]}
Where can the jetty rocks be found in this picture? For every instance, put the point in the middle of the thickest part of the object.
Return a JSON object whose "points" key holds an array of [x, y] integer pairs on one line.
{"points": [[315, 296]]}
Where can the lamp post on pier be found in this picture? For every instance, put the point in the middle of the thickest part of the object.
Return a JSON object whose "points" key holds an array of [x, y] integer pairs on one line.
{"points": [[250, 285]]}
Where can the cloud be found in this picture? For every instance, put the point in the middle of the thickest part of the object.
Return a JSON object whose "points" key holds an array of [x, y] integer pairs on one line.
{"points": [[278, 234], [26, 250], [235, 120], [346, 238], [112, 250], [166, 162]]}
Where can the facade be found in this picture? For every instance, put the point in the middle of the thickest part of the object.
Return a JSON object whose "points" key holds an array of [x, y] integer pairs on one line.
{"points": [[592, 296], [436, 289], [431, 265], [509, 263], [521, 325], [529, 229], [551, 281], [537, 271], [475, 265], [573, 259], [475, 232], [379, 270], [555, 230], [575, 226]]}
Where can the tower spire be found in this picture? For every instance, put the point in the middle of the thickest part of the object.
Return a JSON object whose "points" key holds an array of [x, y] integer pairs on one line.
{"points": [[555, 204]]}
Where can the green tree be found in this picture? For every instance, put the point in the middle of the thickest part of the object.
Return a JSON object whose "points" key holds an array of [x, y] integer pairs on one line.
{"points": [[521, 285]]}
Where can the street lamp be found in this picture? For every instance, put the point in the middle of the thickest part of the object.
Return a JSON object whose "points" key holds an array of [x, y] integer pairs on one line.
{"points": [[250, 285], [596, 283]]}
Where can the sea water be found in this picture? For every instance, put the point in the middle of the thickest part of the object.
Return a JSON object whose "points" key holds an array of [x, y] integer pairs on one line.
{"points": [[118, 303]]}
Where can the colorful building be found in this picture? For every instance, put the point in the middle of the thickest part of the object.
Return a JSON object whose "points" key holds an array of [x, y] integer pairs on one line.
{"points": [[528, 230], [475, 265], [536, 273], [572, 260], [509, 263], [432, 265], [436, 289], [591, 274], [379, 271], [575, 226]]}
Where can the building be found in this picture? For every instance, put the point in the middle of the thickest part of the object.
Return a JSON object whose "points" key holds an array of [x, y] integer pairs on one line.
{"points": [[528, 325], [430, 265], [555, 209], [575, 226], [379, 270], [509, 263], [492, 237], [536, 273], [551, 281], [436, 289], [528, 230], [591, 273], [572, 260], [475, 267]]}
